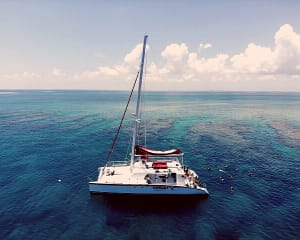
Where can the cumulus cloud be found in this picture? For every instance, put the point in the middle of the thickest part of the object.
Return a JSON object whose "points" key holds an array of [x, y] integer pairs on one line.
{"points": [[257, 67], [255, 59], [134, 55], [179, 64], [287, 50], [284, 58], [253, 64], [126, 69], [175, 52], [207, 65]]}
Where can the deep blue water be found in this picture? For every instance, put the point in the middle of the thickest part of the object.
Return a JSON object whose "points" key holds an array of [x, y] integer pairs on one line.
{"points": [[46, 136]]}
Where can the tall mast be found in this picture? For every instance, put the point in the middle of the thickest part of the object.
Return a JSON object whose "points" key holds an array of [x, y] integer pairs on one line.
{"points": [[137, 110]]}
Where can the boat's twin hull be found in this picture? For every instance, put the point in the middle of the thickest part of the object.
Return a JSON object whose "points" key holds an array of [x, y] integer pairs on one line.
{"points": [[130, 189]]}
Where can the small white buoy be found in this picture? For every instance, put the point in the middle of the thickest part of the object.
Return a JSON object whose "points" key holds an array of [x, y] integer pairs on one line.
{"points": [[59, 180]]}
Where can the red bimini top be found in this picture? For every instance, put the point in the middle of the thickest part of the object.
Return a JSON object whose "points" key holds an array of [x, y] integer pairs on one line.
{"points": [[139, 150]]}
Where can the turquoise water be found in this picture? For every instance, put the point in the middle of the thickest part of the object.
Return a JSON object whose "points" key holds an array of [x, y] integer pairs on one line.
{"points": [[47, 136]]}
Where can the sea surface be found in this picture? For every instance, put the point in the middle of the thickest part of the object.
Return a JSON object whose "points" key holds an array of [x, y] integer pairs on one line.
{"points": [[52, 143]]}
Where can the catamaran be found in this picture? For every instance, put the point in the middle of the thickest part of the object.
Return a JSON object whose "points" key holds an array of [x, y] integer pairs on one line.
{"points": [[149, 171]]}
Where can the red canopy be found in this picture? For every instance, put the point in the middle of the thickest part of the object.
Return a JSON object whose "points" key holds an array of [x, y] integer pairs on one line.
{"points": [[139, 150], [159, 165]]}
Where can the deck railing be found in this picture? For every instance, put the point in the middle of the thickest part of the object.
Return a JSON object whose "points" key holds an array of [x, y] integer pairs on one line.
{"points": [[117, 163]]}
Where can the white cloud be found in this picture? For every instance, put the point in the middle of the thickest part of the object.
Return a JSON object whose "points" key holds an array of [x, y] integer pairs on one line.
{"points": [[258, 67], [284, 58], [207, 65], [134, 55], [108, 71], [204, 46], [287, 50], [24, 80], [255, 59], [129, 66], [21, 76], [175, 52]]}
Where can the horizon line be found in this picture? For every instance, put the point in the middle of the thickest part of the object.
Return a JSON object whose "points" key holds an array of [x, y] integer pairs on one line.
{"points": [[179, 91]]}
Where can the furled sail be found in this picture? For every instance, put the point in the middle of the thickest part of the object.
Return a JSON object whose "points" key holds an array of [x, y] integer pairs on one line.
{"points": [[139, 150]]}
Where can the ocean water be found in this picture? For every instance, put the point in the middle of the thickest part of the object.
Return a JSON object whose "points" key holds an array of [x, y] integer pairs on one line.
{"points": [[52, 143]]}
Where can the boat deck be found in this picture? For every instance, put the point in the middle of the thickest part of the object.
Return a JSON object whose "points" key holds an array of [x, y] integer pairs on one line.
{"points": [[144, 173], [156, 177]]}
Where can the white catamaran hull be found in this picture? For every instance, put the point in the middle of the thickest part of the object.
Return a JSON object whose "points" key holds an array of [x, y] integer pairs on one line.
{"points": [[130, 189]]}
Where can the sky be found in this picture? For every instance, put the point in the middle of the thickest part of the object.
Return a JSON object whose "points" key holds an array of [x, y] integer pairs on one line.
{"points": [[193, 45]]}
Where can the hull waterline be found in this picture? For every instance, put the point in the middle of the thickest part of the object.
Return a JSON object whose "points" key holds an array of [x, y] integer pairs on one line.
{"points": [[130, 189]]}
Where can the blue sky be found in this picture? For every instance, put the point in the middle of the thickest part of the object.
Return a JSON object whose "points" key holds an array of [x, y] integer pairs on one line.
{"points": [[193, 45]]}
